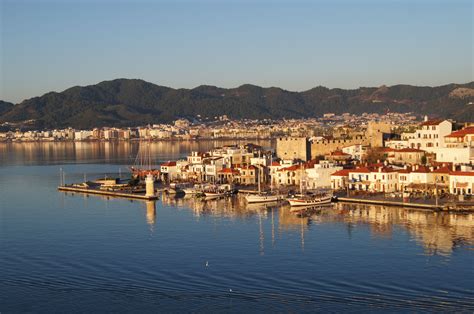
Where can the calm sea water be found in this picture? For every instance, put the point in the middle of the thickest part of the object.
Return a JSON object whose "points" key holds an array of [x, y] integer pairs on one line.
{"points": [[72, 253]]}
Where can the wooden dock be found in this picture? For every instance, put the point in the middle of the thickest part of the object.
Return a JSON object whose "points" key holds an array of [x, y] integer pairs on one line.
{"points": [[390, 203], [106, 193], [454, 206]]}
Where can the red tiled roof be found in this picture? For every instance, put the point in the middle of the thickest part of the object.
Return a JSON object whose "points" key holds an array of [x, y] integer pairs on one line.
{"points": [[462, 173], [442, 163], [248, 167], [377, 164], [462, 133], [291, 168], [311, 163], [385, 169], [169, 164], [421, 169], [228, 170], [275, 164], [442, 170], [342, 173], [361, 170], [432, 122]]}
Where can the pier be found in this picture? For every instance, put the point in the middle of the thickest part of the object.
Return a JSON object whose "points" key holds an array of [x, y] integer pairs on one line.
{"points": [[107, 193], [389, 203], [445, 206]]}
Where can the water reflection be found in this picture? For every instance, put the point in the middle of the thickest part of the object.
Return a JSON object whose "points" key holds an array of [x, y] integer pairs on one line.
{"points": [[438, 232], [150, 213], [103, 152]]}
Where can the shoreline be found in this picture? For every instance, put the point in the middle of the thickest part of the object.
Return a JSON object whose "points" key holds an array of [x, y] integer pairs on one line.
{"points": [[141, 140]]}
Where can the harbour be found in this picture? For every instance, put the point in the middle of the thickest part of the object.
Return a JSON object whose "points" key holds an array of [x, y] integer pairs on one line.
{"points": [[96, 249], [236, 157]]}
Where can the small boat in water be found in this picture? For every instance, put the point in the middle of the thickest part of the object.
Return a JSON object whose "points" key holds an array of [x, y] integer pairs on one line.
{"points": [[217, 191], [309, 200], [263, 198], [197, 189], [175, 188]]}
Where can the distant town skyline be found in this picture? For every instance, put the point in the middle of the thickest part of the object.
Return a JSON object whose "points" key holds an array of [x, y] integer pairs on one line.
{"points": [[53, 45]]}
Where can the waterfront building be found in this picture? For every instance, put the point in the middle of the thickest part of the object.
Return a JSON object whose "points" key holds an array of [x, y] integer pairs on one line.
{"points": [[430, 135], [291, 175], [228, 175], [248, 175], [197, 157], [461, 182], [340, 179], [168, 171], [212, 165], [318, 175]]}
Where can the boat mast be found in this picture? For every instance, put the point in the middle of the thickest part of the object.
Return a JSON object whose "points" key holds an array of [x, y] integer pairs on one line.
{"points": [[271, 181], [301, 179], [259, 172]]}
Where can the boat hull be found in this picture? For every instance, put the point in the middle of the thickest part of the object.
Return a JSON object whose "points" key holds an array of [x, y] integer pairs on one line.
{"points": [[209, 196], [262, 198], [309, 202]]}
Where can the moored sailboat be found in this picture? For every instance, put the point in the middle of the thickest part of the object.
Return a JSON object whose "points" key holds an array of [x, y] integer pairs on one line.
{"points": [[308, 199], [263, 197], [142, 165]]}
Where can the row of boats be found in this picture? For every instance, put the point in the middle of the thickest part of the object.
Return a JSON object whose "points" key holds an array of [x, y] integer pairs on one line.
{"points": [[214, 191]]}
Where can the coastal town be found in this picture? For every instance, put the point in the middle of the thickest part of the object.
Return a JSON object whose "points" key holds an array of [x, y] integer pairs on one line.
{"points": [[393, 159], [206, 128]]}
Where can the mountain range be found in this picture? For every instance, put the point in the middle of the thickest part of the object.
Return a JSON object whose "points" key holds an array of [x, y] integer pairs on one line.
{"points": [[133, 102]]}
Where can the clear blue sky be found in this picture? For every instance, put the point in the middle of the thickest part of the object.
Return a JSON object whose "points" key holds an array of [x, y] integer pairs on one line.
{"points": [[53, 45]]}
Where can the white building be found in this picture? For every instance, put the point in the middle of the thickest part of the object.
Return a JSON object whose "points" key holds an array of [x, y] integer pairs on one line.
{"points": [[212, 166], [456, 155], [319, 176], [340, 179], [357, 151], [460, 138], [430, 136], [461, 182]]}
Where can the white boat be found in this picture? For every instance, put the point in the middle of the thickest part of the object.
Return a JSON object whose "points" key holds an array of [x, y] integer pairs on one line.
{"points": [[214, 191], [196, 189], [262, 198], [309, 200], [213, 195], [191, 191]]}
